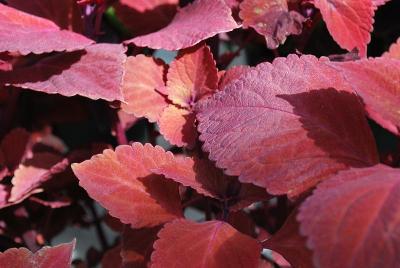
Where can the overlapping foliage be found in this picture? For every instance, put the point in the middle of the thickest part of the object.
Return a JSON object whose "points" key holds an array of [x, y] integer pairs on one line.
{"points": [[284, 155]]}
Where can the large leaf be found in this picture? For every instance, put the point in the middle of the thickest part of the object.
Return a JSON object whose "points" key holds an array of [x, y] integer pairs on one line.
{"points": [[143, 77], [122, 181], [48, 257], [280, 126], [211, 244], [349, 22], [271, 19], [377, 81], [192, 24], [24, 34], [355, 215], [95, 72], [65, 13]]}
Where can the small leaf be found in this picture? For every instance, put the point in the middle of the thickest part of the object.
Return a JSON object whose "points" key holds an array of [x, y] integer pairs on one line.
{"points": [[178, 127], [48, 257], [192, 76], [217, 244], [24, 34], [272, 19], [122, 182], [191, 25], [354, 215], [349, 22], [95, 72], [143, 77]]}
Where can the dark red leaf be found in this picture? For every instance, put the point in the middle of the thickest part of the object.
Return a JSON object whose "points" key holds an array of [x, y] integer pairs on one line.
{"points": [[14, 147], [95, 72], [286, 134], [191, 25], [354, 215], [23, 33], [217, 244], [288, 242]]}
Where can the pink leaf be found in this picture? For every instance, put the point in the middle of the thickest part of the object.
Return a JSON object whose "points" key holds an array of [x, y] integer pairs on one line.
{"points": [[355, 214], [274, 126], [48, 257], [377, 81], [65, 13], [272, 19], [177, 125], [24, 34], [143, 77], [217, 245], [394, 51], [191, 76], [191, 25], [122, 181], [95, 73], [349, 22]]}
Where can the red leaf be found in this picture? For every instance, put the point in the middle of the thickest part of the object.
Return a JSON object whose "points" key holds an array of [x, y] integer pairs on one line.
{"points": [[137, 246], [145, 16], [355, 214], [48, 257], [272, 19], [143, 77], [14, 146], [122, 182], [178, 127], [192, 24], [288, 242], [394, 51], [24, 34], [192, 76], [95, 73], [279, 133], [217, 245], [65, 13], [349, 22], [377, 82]]}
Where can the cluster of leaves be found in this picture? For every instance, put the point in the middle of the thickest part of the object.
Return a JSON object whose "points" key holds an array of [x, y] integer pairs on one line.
{"points": [[284, 155]]}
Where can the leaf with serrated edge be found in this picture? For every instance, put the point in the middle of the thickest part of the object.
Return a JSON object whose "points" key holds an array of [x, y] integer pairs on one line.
{"points": [[278, 126], [122, 182], [354, 215]]}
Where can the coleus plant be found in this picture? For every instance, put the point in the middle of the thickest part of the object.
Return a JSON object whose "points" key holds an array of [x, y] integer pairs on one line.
{"points": [[279, 156]]}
